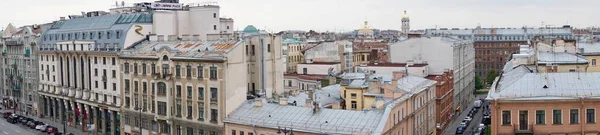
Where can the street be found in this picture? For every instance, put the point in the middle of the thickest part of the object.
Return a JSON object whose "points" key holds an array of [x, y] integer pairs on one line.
{"points": [[477, 117], [17, 128]]}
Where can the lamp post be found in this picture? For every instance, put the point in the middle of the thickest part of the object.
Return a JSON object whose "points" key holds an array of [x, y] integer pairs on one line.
{"points": [[140, 116]]}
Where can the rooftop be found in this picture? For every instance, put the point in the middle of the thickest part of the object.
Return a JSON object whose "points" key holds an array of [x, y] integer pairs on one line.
{"points": [[521, 84], [325, 96], [194, 49], [306, 77], [559, 58], [102, 22], [303, 119], [589, 48], [394, 65], [413, 84]]}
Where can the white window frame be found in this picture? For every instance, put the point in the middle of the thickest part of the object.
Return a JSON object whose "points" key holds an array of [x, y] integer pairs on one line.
{"points": [[502, 117]]}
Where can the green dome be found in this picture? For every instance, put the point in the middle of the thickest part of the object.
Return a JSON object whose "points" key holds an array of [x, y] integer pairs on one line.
{"points": [[250, 29]]}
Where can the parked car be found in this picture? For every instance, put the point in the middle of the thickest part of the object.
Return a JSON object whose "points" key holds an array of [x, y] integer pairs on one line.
{"points": [[32, 124], [460, 130], [469, 119], [25, 120], [51, 129], [40, 127], [463, 124], [13, 119], [43, 128], [6, 114]]}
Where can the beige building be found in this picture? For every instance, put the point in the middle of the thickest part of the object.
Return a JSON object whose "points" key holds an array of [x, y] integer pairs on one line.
{"points": [[406, 107], [293, 50], [524, 102], [181, 87], [591, 52], [264, 61]]}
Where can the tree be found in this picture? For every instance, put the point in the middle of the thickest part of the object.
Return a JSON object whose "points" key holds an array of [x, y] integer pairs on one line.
{"points": [[491, 76], [478, 84]]}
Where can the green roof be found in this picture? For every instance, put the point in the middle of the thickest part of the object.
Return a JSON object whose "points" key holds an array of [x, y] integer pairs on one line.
{"points": [[250, 29]]}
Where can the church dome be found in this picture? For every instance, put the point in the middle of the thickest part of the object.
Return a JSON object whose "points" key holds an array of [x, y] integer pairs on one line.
{"points": [[250, 29], [405, 16]]}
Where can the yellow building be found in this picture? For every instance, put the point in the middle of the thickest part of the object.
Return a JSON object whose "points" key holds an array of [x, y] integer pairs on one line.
{"points": [[560, 62], [293, 50], [591, 52]]}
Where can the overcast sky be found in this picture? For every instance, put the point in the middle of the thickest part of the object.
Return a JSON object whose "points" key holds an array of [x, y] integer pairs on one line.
{"points": [[343, 15]]}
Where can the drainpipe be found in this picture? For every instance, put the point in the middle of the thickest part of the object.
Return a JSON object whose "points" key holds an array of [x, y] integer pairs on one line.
{"points": [[582, 110], [495, 117], [274, 51], [262, 66]]}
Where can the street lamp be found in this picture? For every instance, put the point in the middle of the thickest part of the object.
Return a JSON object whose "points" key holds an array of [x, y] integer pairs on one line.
{"points": [[140, 116]]}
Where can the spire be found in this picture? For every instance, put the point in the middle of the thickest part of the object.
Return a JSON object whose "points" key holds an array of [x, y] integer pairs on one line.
{"points": [[366, 25]]}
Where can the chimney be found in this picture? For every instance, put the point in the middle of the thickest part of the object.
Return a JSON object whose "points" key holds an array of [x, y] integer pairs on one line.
{"points": [[283, 101], [308, 103], [172, 38], [258, 102], [379, 105], [315, 107], [196, 37], [160, 38], [185, 37], [397, 75]]}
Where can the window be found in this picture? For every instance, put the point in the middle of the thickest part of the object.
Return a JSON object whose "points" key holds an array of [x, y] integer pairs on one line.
{"points": [[178, 110], [189, 110], [590, 115], [95, 72], [213, 72], [213, 133], [188, 71], [200, 93], [353, 95], [571, 70], [252, 50], [178, 90], [135, 86], [200, 132], [353, 104], [246, 49], [200, 113], [241, 132], [213, 115], [114, 74], [114, 86], [107, 35], [99, 35], [127, 99], [103, 60], [162, 88], [153, 68], [574, 117], [165, 128], [506, 117], [143, 68], [593, 62], [118, 34], [214, 27], [162, 108], [126, 86], [540, 117], [153, 88], [96, 84], [113, 61], [126, 68], [556, 116], [144, 87], [114, 99], [214, 15], [213, 94], [268, 47], [233, 132], [165, 68], [177, 70], [135, 67], [189, 92], [200, 72]]}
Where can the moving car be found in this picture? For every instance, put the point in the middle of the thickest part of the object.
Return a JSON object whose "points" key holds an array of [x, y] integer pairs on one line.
{"points": [[460, 130]]}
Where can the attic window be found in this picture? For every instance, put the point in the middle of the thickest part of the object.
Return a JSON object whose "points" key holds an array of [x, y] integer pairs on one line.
{"points": [[545, 87]]}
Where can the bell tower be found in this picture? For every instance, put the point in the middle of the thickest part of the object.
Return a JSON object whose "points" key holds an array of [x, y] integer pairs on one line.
{"points": [[405, 23]]}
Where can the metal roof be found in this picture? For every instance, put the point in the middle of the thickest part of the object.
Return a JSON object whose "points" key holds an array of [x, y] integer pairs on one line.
{"points": [[413, 84], [521, 84], [560, 58], [191, 49], [325, 96], [587, 48], [303, 119]]}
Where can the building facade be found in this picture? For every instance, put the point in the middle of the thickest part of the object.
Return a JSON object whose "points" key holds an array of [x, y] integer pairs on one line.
{"points": [[444, 113], [525, 102], [79, 81], [292, 50], [19, 68], [441, 54], [181, 87], [265, 62]]}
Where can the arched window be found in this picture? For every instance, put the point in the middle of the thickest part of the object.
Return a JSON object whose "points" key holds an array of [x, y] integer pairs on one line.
{"points": [[162, 88]]}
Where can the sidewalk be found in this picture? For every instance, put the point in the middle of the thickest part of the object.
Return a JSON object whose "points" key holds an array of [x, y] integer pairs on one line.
{"points": [[60, 126]]}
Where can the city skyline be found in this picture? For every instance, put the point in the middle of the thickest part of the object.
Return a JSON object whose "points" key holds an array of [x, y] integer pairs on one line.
{"points": [[349, 15]]}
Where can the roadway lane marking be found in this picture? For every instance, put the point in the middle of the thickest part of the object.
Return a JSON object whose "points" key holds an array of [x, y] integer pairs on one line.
{"points": [[5, 132], [18, 131], [2, 124]]}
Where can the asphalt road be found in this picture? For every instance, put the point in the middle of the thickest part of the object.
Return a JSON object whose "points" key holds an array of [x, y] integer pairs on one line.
{"points": [[17, 128], [451, 129]]}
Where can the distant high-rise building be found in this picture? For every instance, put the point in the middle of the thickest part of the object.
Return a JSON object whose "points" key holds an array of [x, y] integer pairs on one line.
{"points": [[405, 23]]}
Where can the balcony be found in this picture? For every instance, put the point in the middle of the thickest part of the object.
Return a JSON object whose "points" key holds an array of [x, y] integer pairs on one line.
{"points": [[13, 42], [78, 93], [523, 129], [71, 92]]}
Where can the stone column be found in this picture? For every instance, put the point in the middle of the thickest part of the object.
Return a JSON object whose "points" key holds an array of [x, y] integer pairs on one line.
{"points": [[103, 120], [113, 124]]}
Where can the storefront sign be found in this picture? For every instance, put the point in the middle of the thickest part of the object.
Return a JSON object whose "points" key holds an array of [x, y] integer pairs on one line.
{"points": [[157, 5]]}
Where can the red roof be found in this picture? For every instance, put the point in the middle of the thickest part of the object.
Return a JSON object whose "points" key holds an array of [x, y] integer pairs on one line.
{"points": [[432, 77], [395, 65]]}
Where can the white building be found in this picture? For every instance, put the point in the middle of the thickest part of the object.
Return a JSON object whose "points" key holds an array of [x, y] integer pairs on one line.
{"points": [[442, 53]]}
